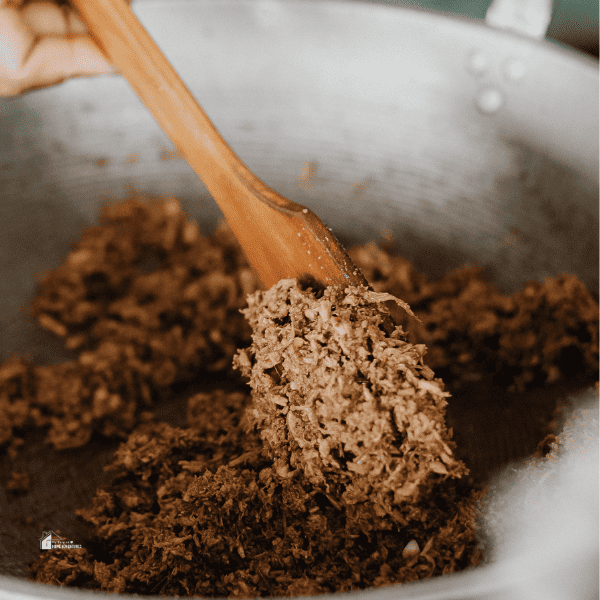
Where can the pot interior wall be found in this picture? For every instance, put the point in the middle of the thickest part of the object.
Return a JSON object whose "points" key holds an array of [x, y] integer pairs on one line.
{"points": [[373, 130], [379, 119]]}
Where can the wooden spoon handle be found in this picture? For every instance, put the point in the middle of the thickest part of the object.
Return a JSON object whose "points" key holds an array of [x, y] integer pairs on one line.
{"points": [[280, 238]]}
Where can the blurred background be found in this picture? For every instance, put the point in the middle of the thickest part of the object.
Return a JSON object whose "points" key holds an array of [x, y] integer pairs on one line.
{"points": [[574, 22]]}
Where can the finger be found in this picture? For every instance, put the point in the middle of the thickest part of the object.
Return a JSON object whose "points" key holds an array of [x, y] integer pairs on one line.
{"points": [[75, 23], [11, 3], [21, 3], [48, 18], [54, 59], [15, 40]]}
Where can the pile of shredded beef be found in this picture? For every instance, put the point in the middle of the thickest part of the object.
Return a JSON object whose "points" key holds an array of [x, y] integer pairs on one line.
{"points": [[335, 471]]}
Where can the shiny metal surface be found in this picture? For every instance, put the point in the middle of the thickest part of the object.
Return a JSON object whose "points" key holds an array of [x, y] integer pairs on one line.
{"points": [[469, 144], [466, 142]]}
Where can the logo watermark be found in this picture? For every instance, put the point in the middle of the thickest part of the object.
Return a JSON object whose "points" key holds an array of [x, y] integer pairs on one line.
{"points": [[50, 540]]}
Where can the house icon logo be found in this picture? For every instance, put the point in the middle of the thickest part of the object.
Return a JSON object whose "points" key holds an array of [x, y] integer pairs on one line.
{"points": [[47, 538], [51, 540]]}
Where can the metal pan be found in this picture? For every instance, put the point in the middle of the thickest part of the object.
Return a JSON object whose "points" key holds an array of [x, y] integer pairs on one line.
{"points": [[470, 143]]}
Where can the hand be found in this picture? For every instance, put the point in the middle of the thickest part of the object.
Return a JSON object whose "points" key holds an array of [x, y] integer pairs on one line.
{"points": [[42, 42]]}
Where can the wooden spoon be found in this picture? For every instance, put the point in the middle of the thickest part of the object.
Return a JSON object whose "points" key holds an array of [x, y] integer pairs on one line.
{"points": [[281, 239]]}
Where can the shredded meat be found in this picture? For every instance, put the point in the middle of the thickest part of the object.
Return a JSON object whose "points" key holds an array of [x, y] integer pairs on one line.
{"points": [[336, 473], [355, 409]]}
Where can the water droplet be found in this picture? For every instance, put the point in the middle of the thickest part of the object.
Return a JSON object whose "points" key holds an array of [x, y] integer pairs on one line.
{"points": [[478, 63], [514, 70], [490, 100], [298, 235], [309, 251], [305, 210]]}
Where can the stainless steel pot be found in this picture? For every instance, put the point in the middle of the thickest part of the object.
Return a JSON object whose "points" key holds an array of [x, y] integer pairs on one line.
{"points": [[467, 142]]}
